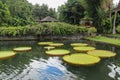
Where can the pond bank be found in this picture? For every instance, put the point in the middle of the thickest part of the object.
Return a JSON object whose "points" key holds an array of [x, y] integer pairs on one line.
{"points": [[26, 38], [104, 40]]}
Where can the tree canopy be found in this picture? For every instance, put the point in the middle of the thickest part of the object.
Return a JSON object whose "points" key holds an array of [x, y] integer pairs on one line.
{"points": [[21, 12]]}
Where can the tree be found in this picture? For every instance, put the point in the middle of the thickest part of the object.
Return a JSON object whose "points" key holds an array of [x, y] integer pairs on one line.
{"points": [[20, 12], [42, 11], [52, 13], [71, 12], [4, 14], [115, 18]]}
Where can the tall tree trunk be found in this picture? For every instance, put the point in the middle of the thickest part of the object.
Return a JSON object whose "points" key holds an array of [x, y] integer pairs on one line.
{"points": [[114, 25], [110, 14]]}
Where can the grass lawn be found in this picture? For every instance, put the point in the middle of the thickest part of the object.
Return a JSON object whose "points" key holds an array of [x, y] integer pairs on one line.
{"points": [[114, 35], [105, 40]]}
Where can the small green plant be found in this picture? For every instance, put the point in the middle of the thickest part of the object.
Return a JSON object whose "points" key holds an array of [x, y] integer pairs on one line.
{"points": [[92, 31], [118, 28]]}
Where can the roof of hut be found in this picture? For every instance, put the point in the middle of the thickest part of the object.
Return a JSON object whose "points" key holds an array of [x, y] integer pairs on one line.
{"points": [[49, 19]]}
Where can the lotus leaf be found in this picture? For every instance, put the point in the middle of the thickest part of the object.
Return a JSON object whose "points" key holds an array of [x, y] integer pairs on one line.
{"points": [[58, 52], [56, 44], [6, 54], [49, 47], [78, 44], [81, 59], [102, 53], [83, 49], [22, 49], [44, 43]]}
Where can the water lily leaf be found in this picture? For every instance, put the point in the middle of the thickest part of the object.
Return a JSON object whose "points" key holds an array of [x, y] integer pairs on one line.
{"points": [[56, 44], [44, 43], [102, 53], [58, 52], [83, 49], [78, 44], [22, 49], [49, 47], [81, 59], [6, 54]]}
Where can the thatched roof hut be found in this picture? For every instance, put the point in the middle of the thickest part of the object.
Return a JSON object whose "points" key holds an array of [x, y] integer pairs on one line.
{"points": [[49, 19]]}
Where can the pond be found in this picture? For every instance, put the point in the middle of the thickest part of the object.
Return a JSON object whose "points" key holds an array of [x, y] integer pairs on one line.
{"points": [[36, 65]]}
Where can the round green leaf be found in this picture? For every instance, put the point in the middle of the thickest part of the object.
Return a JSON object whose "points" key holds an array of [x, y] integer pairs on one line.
{"points": [[102, 53], [6, 54], [56, 44], [58, 52], [49, 47], [81, 59], [78, 44], [22, 49], [44, 43], [83, 49]]}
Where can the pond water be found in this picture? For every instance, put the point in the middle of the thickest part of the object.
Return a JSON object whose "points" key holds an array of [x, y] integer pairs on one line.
{"points": [[36, 65]]}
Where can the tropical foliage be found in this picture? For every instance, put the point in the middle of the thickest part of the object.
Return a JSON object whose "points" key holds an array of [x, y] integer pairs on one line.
{"points": [[22, 13], [71, 12], [43, 29]]}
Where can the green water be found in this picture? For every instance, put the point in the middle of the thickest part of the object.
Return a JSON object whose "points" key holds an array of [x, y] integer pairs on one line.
{"points": [[36, 65]]}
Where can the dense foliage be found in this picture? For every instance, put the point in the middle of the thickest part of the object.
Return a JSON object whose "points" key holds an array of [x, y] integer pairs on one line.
{"points": [[92, 30], [21, 12], [71, 12], [44, 29], [118, 29], [40, 12]]}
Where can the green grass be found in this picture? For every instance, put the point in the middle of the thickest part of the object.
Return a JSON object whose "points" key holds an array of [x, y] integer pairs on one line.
{"points": [[114, 35], [105, 40]]}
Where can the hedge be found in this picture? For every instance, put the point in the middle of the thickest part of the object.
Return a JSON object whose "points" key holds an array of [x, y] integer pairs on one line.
{"points": [[42, 29]]}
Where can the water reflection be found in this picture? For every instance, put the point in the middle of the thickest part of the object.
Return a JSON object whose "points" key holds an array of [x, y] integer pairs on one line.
{"points": [[36, 65], [115, 71], [52, 69]]}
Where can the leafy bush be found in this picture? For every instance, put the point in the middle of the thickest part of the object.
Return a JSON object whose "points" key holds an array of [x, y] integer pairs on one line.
{"points": [[43, 29], [92, 30], [118, 29]]}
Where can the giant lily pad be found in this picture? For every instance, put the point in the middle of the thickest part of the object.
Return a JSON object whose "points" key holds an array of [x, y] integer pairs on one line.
{"points": [[81, 59], [56, 44], [22, 49], [6, 54], [102, 53], [83, 49], [78, 44], [58, 52], [44, 43], [49, 47]]}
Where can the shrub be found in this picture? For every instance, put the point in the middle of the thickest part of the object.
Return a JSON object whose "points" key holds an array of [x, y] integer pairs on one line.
{"points": [[92, 31], [43, 29], [118, 29]]}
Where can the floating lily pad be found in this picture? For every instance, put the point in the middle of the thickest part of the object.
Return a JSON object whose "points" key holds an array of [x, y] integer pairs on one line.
{"points": [[58, 52], [81, 59], [102, 53], [44, 43], [22, 49], [78, 44], [56, 44], [83, 49], [49, 47], [6, 54]]}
